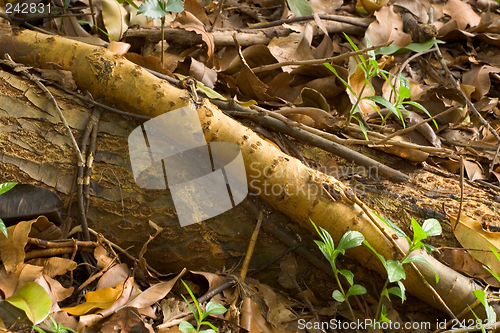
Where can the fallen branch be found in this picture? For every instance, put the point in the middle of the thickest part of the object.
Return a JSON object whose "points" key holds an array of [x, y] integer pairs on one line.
{"points": [[116, 80]]}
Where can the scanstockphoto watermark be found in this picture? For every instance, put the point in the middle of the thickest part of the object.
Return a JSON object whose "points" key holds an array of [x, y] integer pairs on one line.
{"points": [[335, 324], [311, 190]]}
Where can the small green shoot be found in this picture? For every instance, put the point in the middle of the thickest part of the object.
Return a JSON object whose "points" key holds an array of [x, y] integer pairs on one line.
{"points": [[4, 188], [370, 69], [349, 240], [55, 327], [394, 268], [101, 30], [210, 309]]}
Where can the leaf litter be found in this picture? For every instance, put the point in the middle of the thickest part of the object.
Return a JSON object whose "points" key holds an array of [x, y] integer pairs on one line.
{"points": [[468, 36]]}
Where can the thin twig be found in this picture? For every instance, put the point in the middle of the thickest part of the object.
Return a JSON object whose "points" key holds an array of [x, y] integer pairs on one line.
{"points": [[461, 192], [337, 18], [343, 56]]}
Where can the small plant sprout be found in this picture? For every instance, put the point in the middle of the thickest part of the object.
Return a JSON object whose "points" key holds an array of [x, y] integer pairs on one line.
{"points": [[370, 69], [394, 268], [349, 240], [55, 327], [210, 309]]}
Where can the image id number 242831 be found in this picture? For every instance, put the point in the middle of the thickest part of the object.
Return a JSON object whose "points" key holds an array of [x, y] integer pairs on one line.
{"points": [[27, 8]]}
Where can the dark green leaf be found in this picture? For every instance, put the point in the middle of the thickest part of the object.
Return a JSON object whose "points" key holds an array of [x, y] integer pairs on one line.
{"points": [[130, 2], [394, 227], [429, 248]]}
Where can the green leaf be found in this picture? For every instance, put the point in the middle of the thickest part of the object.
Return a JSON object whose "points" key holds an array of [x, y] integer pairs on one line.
{"points": [[361, 126], [175, 6], [337, 295], [391, 225], [33, 300], [383, 315], [208, 331], [403, 289], [413, 47], [395, 271], [152, 9], [214, 308], [300, 7], [421, 107], [384, 102], [3, 228], [418, 232], [197, 314], [38, 329], [214, 329], [495, 275], [382, 259], [429, 248], [420, 259], [490, 312], [349, 240], [4, 187], [348, 275], [404, 92], [432, 227], [355, 289], [186, 327], [394, 291]]}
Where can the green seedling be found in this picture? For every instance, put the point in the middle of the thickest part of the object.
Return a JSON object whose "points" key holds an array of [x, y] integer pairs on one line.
{"points": [[394, 268], [349, 240], [55, 327], [199, 315], [4, 188], [370, 69]]}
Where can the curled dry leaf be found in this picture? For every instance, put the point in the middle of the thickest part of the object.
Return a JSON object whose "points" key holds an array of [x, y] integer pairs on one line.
{"points": [[388, 27], [115, 18], [188, 21], [462, 13], [479, 77]]}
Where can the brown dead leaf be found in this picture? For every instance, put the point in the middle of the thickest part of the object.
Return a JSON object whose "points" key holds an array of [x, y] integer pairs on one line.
{"points": [[250, 85], [113, 276], [479, 77], [388, 27], [54, 266], [296, 46], [474, 170], [57, 290], [154, 293], [252, 319], [12, 248], [461, 261], [462, 13], [115, 18], [476, 240], [126, 320], [197, 10], [417, 8], [189, 22]]}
